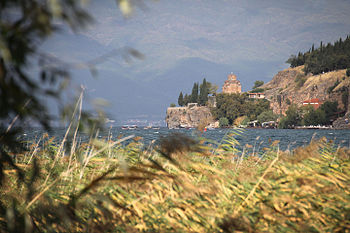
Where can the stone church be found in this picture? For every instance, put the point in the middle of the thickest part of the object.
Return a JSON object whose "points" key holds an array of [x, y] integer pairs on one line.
{"points": [[232, 85]]}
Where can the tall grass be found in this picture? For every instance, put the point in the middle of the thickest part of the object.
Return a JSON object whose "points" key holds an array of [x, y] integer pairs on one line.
{"points": [[180, 185]]}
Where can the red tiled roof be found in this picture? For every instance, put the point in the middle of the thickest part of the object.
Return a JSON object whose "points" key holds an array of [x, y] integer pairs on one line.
{"points": [[316, 100]]}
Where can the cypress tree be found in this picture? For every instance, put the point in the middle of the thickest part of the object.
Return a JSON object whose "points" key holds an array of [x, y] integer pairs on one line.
{"points": [[180, 100], [203, 93], [194, 95], [187, 99]]}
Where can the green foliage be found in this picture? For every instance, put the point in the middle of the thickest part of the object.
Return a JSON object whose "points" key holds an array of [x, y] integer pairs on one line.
{"points": [[172, 105], [24, 25], [307, 115], [201, 98], [212, 88], [325, 58], [331, 88], [300, 80], [314, 117], [187, 99], [258, 90], [292, 118], [180, 100], [194, 94], [257, 84], [267, 116], [295, 61], [223, 122], [348, 72], [203, 93], [329, 108], [236, 105]]}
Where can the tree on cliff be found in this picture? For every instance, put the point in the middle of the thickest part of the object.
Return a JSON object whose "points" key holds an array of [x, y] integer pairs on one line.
{"points": [[187, 99], [232, 106], [258, 83], [203, 93], [325, 58], [194, 94], [213, 88], [180, 100]]}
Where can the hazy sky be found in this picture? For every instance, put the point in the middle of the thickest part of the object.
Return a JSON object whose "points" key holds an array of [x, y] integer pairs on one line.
{"points": [[184, 41]]}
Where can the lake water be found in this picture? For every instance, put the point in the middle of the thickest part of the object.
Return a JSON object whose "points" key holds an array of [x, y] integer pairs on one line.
{"points": [[258, 138]]}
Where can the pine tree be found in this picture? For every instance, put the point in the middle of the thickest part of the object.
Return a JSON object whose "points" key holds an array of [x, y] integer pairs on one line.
{"points": [[180, 100], [194, 95]]}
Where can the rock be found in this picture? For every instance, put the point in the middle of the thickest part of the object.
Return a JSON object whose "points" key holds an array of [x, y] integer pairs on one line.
{"points": [[292, 86], [342, 122], [188, 117]]}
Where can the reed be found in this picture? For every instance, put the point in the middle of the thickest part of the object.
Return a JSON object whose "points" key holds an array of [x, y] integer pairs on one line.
{"points": [[180, 185]]}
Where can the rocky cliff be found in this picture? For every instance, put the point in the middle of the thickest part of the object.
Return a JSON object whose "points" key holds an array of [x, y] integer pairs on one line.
{"points": [[184, 117], [293, 86]]}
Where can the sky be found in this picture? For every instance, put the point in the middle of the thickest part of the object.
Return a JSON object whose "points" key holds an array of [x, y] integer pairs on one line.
{"points": [[184, 41]]}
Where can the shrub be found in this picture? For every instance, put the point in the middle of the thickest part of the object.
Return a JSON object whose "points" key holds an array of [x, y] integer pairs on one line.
{"points": [[348, 72], [300, 80], [267, 116], [172, 105], [258, 90], [223, 122], [331, 88]]}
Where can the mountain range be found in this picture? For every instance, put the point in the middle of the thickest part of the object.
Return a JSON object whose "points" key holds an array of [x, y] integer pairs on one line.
{"points": [[184, 42]]}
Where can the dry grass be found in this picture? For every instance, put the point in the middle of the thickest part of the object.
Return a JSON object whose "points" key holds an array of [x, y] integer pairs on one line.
{"points": [[180, 186]]}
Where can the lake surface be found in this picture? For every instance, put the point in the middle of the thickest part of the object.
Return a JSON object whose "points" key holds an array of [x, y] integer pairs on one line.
{"points": [[258, 138]]}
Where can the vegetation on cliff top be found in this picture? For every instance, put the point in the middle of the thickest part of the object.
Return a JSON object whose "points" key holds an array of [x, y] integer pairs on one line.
{"points": [[325, 58], [232, 106], [199, 94]]}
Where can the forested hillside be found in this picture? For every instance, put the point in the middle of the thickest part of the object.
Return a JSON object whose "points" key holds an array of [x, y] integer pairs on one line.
{"points": [[325, 58]]}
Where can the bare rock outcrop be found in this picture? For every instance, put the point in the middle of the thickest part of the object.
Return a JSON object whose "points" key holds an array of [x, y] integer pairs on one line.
{"points": [[342, 122], [188, 117], [292, 86]]}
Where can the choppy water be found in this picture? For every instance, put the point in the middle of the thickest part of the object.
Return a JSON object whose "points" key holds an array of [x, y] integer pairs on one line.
{"points": [[258, 138]]}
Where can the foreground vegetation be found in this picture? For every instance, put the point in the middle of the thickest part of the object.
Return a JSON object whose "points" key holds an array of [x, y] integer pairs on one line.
{"points": [[178, 185]]}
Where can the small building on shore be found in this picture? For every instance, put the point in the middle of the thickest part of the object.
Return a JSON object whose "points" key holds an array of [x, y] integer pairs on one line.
{"points": [[315, 103], [256, 95]]}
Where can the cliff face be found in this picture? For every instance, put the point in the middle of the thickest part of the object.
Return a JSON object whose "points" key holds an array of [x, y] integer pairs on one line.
{"points": [[292, 86], [183, 117]]}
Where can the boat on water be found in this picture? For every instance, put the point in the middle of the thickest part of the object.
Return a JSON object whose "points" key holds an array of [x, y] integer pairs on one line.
{"points": [[129, 127]]}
